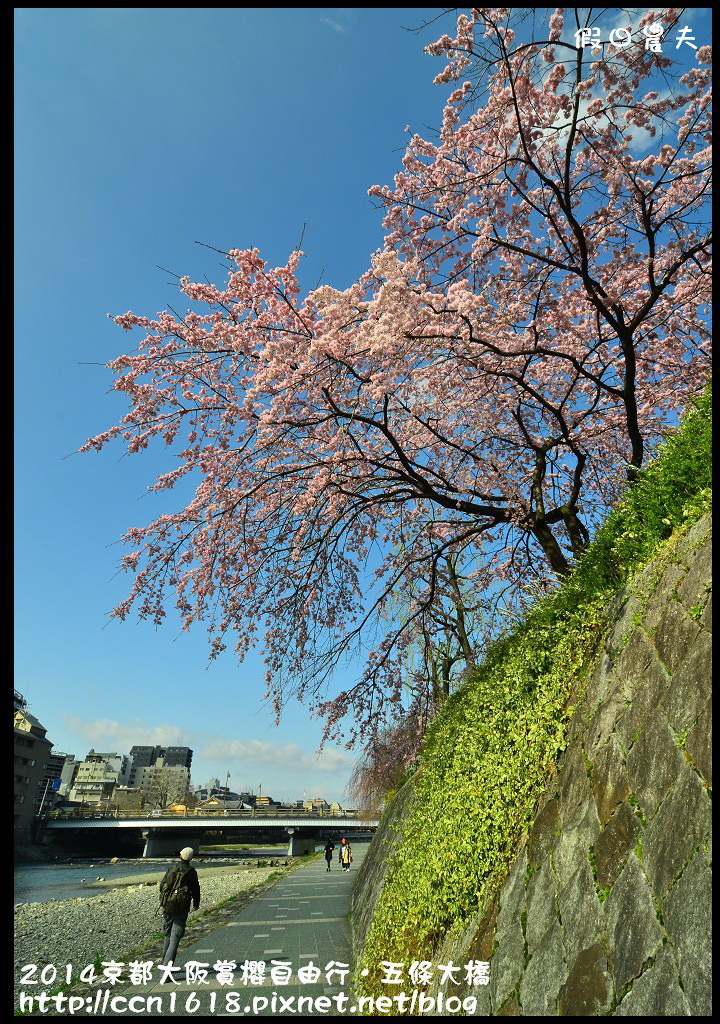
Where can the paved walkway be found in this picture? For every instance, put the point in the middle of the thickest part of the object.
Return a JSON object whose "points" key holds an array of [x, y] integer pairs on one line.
{"points": [[302, 921]]}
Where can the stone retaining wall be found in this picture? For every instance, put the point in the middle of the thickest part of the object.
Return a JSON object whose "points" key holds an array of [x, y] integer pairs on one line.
{"points": [[606, 909]]}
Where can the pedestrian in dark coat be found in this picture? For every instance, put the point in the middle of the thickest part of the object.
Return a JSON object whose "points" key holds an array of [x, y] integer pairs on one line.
{"points": [[174, 924], [329, 847]]}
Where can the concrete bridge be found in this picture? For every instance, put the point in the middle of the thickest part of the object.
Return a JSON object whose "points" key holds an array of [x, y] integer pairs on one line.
{"points": [[165, 834]]}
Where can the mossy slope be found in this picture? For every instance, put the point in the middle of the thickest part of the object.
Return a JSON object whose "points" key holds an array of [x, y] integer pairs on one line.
{"points": [[491, 750]]}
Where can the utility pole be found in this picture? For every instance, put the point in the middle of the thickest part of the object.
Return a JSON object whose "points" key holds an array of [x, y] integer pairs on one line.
{"points": [[42, 802]]}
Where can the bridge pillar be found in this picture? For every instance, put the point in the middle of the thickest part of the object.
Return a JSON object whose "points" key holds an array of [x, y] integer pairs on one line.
{"points": [[300, 845], [167, 846]]}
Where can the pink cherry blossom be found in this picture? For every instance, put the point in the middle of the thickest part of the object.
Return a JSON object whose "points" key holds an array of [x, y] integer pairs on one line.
{"points": [[378, 464]]}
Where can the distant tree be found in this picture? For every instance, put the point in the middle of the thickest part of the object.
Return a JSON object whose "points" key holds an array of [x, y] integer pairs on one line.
{"points": [[165, 786], [478, 398], [389, 754]]}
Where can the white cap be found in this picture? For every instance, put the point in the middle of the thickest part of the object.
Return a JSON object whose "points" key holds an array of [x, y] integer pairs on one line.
{"points": [[188, 853]]}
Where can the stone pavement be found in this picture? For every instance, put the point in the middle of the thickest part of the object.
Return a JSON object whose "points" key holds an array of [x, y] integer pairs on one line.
{"points": [[302, 921]]}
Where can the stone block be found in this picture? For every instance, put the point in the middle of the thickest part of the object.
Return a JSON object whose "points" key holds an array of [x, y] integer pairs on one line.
{"points": [[483, 1006], [461, 944], [691, 685], [687, 914], [664, 594], [478, 945], [614, 844], [706, 617], [657, 992], [682, 823], [600, 684], [481, 944], [699, 534], [506, 965], [542, 907], [699, 743], [634, 931], [693, 590], [512, 897], [604, 722], [625, 616], [544, 976], [573, 784], [587, 991], [581, 911], [573, 847], [578, 722], [632, 662], [509, 1008], [544, 832], [609, 779], [648, 682], [654, 763], [675, 634]]}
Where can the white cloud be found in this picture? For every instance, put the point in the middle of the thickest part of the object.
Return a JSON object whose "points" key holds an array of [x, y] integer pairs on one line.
{"points": [[124, 735], [288, 756], [341, 22]]}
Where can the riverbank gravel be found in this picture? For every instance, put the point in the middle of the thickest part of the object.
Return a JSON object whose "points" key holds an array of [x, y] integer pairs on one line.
{"points": [[113, 923]]}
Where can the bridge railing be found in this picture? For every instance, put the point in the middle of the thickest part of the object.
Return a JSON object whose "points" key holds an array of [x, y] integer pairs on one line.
{"points": [[198, 812]]}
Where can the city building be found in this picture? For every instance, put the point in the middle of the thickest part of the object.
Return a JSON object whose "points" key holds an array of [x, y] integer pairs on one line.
{"points": [[316, 804], [162, 784], [149, 757], [67, 775], [142, 757], [97, 776], [180, 757], [218, 802], [265, 801], [31, 749], [53, 783]]}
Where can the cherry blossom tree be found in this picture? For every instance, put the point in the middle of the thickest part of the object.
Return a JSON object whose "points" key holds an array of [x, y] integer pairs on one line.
{"points": [[388, 754], [457, 420]]}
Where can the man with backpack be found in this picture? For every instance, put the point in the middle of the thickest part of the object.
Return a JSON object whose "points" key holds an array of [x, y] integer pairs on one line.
{"points": [[178, 890]]}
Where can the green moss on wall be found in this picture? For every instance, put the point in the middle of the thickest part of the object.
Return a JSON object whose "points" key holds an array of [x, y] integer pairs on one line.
{"points": [[488, 756]]}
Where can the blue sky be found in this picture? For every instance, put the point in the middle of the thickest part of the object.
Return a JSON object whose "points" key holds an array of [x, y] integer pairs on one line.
{"points": [[139, 131]]}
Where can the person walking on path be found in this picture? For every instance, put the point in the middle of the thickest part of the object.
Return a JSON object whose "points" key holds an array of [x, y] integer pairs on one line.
{"points": [[345, 855], [178, 890], [324, 936], [329, 847]]}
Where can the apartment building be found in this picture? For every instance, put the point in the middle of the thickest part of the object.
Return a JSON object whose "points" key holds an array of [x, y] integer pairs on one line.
{"points": [[98, 775], [31, 750], [149, 757]]}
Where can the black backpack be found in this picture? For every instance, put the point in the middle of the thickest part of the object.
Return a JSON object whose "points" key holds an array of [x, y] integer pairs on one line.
{"points": [[175, 896]]}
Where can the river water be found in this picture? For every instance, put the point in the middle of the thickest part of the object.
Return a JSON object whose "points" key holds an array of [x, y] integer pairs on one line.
{"points": [[40, 883]]}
